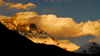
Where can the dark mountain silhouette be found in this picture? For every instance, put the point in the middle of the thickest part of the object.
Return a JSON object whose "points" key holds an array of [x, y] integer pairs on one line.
{"points": [[16, 44]]}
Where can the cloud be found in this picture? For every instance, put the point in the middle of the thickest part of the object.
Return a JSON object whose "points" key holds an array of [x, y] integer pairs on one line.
{"points": [[21, 6], [25, 18], [2, 3], [17, 5], [97, 39], [3, 17], [59, 27]]}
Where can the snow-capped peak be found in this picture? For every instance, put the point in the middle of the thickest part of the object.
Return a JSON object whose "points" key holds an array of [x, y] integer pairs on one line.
{"points": [[35, 34], [89, 48], [9, 24]]}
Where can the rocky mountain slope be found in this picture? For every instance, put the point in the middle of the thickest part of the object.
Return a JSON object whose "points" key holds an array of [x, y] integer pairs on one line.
{"points": [[36, 34], [15, 44]]}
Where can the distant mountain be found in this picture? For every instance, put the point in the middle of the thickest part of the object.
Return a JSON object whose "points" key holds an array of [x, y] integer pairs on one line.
{"points": [[89, 48]]}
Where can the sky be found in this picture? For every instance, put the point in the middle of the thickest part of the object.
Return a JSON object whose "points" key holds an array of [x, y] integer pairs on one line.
{"points": [[73, 10]]}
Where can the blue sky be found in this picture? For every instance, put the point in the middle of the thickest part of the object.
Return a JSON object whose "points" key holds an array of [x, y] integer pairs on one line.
{"points": [[79, 10]]}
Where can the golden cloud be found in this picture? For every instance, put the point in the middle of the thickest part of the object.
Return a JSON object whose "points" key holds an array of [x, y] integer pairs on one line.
{"points": [[59, 27], [97, 39], [21, 6], [18, 5], [3, 17], [2, 3]]}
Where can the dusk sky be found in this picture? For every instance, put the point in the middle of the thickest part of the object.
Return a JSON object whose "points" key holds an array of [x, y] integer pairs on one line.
{"points": [[78, 10]]}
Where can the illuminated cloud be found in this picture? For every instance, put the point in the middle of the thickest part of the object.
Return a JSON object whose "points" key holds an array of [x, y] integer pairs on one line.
{"points": [[97, 39], [2, 3], [3, 17], [21, 6], [59, 27], [27, 17], [92, 40], [18, 5]]}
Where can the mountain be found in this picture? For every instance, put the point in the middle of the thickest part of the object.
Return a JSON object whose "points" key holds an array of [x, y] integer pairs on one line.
{"points": [[8, 23], [67, 45], [32, 33], [89, 48], [16, 44], [37, 35]]}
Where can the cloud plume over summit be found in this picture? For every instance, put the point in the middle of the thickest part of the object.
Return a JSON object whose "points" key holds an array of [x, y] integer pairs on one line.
{"points": [[58, 27]]}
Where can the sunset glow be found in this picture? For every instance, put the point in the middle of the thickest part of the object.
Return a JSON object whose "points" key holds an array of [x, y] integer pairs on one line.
{"points": [[70, 23]]}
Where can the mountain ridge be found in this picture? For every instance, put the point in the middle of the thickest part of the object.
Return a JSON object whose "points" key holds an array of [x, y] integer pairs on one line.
{"points": [[18, 44], [35, 34]]}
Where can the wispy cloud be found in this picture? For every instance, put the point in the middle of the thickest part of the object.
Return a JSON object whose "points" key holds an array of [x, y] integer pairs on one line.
{"points": [[97, 39], [2, 3], [17, 5], [21, 6]]}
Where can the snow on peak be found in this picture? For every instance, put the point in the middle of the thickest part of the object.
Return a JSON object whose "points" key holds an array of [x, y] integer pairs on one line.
{"points": [[37, 35], [89, 48]]}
